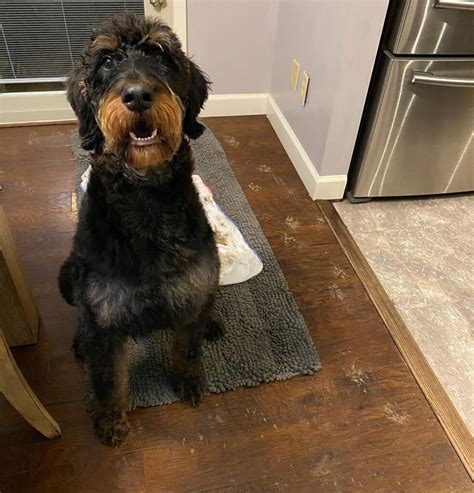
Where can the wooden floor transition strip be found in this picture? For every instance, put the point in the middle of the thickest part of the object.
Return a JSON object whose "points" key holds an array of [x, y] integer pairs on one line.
{"points": [[454, 426]]}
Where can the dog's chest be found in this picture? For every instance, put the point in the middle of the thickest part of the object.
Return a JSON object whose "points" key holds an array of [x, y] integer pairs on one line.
{"points": [[161, 256], [176, 295]]}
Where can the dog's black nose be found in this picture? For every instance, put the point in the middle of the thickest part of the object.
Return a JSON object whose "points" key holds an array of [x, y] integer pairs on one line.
{"points": [[136, 97]]}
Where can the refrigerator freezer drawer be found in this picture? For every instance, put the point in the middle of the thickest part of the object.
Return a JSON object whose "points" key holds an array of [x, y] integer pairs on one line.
{"points": [[426, 27], [418, 137]]}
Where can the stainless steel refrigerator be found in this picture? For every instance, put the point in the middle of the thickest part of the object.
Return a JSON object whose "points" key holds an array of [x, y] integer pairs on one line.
{"points": [[417, 136]]}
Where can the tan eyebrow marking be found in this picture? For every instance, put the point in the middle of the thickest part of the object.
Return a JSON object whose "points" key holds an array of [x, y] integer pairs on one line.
{"points": [[104, 42]]}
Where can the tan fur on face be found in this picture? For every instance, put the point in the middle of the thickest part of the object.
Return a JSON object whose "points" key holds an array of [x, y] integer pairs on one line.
{"points": [[116, 123], [160, 38], [104, 42]]}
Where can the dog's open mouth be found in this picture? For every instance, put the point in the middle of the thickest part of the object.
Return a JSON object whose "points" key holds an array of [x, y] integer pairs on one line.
{"points": [[143, 135]]}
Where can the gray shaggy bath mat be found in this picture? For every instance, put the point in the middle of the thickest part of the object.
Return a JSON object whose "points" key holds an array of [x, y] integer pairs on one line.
{"points": [[266, 337]]}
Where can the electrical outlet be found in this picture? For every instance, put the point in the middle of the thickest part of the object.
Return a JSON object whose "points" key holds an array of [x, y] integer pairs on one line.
{"points": [[304, 87], [295, 72]]}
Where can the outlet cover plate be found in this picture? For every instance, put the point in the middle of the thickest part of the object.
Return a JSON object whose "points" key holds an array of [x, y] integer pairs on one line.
{"points": [[304, 87], [295, 72]]}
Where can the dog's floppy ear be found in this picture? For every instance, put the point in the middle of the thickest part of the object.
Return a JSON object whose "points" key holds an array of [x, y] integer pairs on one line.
{"points": [[198, 90], [91, 136]]}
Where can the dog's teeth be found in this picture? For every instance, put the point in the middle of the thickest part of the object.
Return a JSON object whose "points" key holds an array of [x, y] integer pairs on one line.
{"points": [[145, 140]]}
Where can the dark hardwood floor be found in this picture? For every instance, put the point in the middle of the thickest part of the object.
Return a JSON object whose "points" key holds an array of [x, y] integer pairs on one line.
{"points": [[361, 424]]}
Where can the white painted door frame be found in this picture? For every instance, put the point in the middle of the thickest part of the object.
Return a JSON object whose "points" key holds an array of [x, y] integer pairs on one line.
{"points": [[174, 14], [52, 106]]}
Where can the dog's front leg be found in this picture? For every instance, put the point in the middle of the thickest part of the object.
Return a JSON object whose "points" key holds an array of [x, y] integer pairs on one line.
{"points": [[107, 365], [187, 379]]}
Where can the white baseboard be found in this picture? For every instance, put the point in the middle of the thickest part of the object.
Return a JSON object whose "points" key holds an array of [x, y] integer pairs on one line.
{"points": [[235, 105], [52, 106], [319, 187], [35, 107]]}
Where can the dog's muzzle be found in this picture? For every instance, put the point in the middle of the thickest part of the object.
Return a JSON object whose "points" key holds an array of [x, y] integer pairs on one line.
{"points": [[143, 123]]}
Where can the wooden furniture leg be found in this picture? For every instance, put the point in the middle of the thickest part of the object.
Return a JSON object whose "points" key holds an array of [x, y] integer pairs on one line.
{"points": [[19, 394], [19, 314]]}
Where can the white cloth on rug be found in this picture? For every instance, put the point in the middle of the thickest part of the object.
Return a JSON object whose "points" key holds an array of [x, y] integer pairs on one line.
{"points": [[239, 262]]}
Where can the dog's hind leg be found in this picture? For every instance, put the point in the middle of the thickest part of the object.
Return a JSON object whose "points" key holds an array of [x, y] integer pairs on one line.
{"points": [[69, 278], [107, 368], [187, 378], [214, 329]]}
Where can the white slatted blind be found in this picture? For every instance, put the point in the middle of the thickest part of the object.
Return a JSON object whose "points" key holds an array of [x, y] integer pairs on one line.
{"points": [[41, 39]]}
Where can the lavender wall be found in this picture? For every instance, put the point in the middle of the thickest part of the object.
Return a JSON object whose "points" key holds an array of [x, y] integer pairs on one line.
{"points": [[335, 42], [247, 46], [232, 40]]}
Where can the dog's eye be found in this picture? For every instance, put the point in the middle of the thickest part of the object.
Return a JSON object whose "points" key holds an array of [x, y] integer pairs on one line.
{"points": [[107, 62]]}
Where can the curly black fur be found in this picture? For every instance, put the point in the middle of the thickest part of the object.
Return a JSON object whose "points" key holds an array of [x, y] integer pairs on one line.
{"points": [[144, 256], [88, 83]]}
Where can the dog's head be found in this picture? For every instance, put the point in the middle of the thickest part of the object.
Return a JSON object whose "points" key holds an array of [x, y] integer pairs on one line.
{"points": [[135, 92]]}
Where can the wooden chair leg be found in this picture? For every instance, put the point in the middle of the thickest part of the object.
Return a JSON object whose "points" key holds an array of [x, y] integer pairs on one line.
{"points": [[19, 394], [19, 315]]}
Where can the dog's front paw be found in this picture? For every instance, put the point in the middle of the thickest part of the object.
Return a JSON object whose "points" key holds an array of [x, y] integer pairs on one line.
{"points": [[214, 330], [188, 387], [111, 428]]}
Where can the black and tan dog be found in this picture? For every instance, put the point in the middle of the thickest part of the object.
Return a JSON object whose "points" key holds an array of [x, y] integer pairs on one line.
{"points": [[144, 256]]}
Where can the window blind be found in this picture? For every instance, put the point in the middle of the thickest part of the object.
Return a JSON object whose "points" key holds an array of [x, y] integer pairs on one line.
{"points": [[40, 40]]}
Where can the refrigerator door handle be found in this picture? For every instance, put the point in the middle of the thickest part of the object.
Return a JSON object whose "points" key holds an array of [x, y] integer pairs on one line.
{"points": [[454, 4], [435, 80]]}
